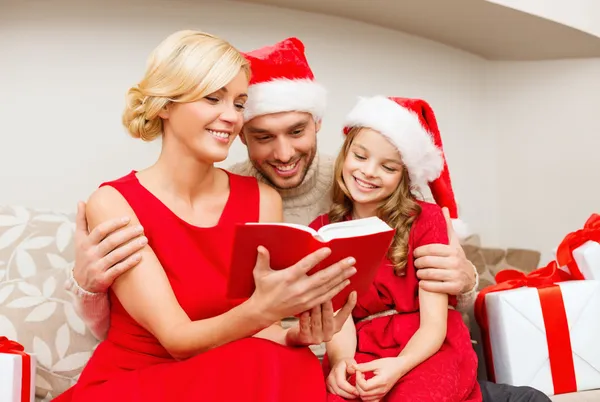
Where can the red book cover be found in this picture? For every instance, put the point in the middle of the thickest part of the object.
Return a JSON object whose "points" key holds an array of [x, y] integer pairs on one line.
{"points": [[367, 240]]}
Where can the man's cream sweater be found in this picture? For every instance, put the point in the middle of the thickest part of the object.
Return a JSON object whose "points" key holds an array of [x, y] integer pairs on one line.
{"points": [[310, 199]]}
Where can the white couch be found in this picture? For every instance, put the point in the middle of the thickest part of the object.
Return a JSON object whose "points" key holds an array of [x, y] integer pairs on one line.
{"points": [[36, 254]]}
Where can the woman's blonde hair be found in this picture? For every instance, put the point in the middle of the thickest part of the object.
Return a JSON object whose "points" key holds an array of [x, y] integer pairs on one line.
{"points": [[185, 67], [399, 210]]}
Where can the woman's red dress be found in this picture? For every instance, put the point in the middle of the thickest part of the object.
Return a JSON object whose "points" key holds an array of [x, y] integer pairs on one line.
{"points": [[131, 365]]}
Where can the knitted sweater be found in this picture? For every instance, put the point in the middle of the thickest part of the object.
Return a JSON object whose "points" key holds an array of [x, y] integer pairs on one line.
{"points": [[301, 205], [310, 199]]}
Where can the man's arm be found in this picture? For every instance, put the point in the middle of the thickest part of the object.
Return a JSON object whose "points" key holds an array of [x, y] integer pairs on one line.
{"points": [[101, 256], [93, 308], [466, 300]]}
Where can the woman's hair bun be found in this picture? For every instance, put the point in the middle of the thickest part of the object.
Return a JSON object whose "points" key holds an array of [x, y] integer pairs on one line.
{"points": [[136, 119]]}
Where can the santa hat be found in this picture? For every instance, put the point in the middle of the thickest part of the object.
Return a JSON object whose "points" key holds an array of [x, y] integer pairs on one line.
{"points": [[282, 81], [410, 125]]}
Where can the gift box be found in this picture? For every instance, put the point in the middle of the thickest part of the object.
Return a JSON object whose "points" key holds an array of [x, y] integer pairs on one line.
{"points": [[541, 330], [17, 372], [587, 258], [579, 252]]}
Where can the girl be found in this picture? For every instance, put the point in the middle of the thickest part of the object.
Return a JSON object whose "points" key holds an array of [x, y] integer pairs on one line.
{"points": [[174, 335], [408, 344]]}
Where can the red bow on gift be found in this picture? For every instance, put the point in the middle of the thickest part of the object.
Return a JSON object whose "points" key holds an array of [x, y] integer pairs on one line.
{"points": [[7, 346], [564, 254], [554, 314], [12, 347], [513, 279]]}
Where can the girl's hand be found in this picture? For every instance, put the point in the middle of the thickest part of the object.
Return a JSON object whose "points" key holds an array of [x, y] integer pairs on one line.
{"points": [[337, 381], [320, 324], [387, 372], [287, 292]]}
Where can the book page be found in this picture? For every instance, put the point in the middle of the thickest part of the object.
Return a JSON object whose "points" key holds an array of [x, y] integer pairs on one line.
{"points": [[353, 228], [291, 225]]}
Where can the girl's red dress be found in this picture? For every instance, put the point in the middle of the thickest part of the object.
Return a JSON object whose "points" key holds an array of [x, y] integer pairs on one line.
{"points": [[451, 373], [131, 365]]}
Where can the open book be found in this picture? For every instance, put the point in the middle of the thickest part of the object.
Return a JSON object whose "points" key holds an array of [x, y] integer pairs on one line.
{"points": [[367, 240]]}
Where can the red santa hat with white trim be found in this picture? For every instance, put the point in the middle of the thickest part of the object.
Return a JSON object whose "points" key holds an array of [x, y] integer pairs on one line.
{"points": [[282, 81], [410, 125]]}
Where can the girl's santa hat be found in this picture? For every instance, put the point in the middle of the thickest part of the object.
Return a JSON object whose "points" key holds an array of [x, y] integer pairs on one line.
{"points": [[410, 125], [282, 81]]}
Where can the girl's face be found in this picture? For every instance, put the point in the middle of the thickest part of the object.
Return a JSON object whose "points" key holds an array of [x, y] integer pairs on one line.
{"points": [[372, 169]]}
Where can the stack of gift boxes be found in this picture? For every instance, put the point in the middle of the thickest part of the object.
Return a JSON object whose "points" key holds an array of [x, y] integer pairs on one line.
{"points": [[543, 329]]}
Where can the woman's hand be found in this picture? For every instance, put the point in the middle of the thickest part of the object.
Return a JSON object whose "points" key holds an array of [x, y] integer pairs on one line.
{"points": [[288, 292], [337, 380], [320, 324], [387, 372]]}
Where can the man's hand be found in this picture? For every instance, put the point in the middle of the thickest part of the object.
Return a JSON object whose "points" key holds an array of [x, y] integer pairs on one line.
{"points": [[106, 253], [320, 324], [444, 268]]}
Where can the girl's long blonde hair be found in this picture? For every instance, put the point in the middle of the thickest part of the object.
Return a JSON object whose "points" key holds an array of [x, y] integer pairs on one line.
{"points": [[185, 67], [399, 210]]}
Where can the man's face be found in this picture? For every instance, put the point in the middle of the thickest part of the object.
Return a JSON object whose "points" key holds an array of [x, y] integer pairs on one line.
{"points": [[282, 146]]}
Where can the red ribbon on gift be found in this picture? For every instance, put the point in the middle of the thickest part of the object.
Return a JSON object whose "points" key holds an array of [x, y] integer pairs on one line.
{"points": [[12, 347], [564, 254], [555, 320]]}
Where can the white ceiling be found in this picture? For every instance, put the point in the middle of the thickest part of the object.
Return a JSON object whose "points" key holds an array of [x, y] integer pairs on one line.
{"points": [[486, 29]]}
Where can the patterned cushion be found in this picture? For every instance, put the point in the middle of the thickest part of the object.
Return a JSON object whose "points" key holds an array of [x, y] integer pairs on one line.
{"points": [[489, 261], [36, 254]]}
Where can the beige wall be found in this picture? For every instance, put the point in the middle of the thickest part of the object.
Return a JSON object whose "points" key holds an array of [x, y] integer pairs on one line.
{"points": [[544, 116], [579, 14], [65, 68]]}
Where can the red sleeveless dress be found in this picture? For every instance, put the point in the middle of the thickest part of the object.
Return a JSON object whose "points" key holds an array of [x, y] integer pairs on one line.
{"points": [[450, 375], [131, 365]]}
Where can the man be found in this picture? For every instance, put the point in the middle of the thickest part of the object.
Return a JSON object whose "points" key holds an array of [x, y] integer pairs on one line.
{"points": [[282, 118]]}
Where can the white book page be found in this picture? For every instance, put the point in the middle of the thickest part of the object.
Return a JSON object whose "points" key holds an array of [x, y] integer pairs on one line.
{"points": [[292, 225], [338, 230], [353, 228]]}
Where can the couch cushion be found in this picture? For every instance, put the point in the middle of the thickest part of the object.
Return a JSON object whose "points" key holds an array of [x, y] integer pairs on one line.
{"points": [[36, 254], [489, 261]]}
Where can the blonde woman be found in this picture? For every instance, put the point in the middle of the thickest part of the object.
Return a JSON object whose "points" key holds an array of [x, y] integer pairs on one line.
{"points": [[174, 336]]}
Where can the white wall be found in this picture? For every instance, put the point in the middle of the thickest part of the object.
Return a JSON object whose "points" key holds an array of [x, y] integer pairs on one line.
{"points": [[579, 14], [65, 68], [545, 118], [508, 128]]}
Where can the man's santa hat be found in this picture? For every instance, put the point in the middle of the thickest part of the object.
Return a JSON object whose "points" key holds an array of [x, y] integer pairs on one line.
{"points": [[410, 125], [282, 81]]}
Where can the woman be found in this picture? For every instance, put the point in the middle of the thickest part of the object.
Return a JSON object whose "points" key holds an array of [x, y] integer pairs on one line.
{"points": [[174, 335]]}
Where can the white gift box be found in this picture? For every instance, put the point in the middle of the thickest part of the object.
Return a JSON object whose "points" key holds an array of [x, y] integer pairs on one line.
{"points": [[519, 342], [11, 370], [587, 257]]}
